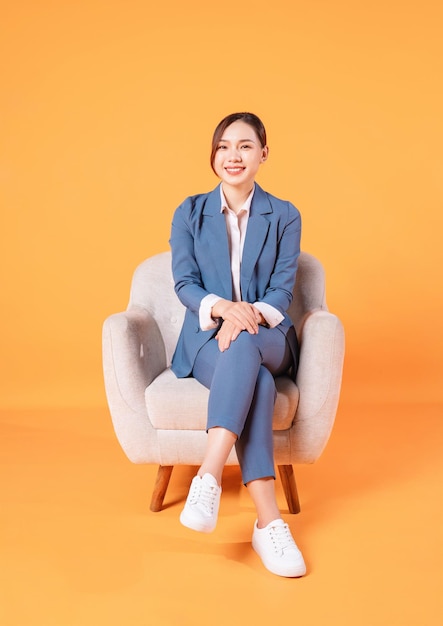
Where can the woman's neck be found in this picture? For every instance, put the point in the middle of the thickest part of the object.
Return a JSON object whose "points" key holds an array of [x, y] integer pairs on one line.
{"points": [[236, 196]]}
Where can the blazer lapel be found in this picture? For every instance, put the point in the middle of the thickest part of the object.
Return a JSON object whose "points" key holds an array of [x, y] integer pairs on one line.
{"points": [[258, 226], [215, 230]]}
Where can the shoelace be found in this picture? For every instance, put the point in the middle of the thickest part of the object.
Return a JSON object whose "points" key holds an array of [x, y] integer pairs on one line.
{"points": [[281, 538], [204, 495]]}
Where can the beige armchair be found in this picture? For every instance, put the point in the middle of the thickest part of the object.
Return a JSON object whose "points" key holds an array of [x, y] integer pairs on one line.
{"points": [[161, 419]]}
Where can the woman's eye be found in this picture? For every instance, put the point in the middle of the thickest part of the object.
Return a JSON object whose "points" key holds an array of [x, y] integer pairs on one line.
{"points": [[221, 147], [245, 146]]}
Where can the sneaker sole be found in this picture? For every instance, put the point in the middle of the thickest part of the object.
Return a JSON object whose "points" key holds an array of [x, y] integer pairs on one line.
{"points": [[295, 570], [193, 524]]}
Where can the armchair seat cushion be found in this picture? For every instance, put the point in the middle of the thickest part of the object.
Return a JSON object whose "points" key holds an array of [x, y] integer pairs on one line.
{"points": [[181, 403]]}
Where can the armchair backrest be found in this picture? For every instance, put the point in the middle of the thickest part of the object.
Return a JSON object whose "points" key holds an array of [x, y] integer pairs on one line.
{"points": [[153, 289]]}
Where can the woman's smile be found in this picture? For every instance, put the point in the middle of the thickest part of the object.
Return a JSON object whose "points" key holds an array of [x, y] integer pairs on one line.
{"points": [[234, 170]]}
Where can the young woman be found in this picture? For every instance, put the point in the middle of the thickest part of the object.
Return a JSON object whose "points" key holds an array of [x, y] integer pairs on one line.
{"points": [[234, 260]]}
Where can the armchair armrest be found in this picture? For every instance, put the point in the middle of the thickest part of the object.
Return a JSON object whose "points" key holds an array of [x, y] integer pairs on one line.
{"points": [[133, 355], [318, 380]]}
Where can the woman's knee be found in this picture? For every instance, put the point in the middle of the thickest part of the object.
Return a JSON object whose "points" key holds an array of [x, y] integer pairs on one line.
{"points": [[244, 347]]}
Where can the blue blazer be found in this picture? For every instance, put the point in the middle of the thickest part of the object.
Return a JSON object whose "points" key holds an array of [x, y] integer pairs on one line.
{"points": [[201, 264]]}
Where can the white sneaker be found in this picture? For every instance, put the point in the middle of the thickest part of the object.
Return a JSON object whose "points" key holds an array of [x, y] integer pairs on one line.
{"points": [[277, 549], [202, 504]]}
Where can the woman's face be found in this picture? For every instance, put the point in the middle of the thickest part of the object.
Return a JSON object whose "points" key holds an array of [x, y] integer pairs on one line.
{"points": [[239, 154]]}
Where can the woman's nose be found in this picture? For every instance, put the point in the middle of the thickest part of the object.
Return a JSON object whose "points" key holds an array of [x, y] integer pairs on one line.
{"points": [[234, 155]]}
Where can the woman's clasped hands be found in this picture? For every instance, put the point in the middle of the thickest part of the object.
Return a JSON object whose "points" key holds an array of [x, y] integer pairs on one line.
{"points": [[237, 316]]}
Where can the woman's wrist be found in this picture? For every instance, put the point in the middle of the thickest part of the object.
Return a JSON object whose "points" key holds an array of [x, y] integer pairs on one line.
{"points": [[219, 308], [262, 321]]}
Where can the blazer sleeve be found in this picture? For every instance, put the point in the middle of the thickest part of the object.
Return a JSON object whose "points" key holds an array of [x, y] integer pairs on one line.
{"points": [[185, 269]]}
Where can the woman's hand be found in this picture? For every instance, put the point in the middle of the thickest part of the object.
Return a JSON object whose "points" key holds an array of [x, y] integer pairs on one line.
{"points": [[242, 315], [230, 330]]}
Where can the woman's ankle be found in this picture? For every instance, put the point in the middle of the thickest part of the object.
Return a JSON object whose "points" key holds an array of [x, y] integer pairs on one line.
{"points": [[208, 470], [264, 520]]}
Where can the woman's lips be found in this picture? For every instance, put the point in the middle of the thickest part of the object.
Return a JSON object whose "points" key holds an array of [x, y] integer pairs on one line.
{"points": [[234, 170]]}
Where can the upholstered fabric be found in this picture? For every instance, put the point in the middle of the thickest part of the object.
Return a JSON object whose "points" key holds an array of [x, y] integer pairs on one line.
{"points": [[180, 403], [161, 419]]}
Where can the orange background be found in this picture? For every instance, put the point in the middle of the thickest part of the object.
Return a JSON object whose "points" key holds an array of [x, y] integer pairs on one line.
{"points": [[107, 109], [106, 113]]}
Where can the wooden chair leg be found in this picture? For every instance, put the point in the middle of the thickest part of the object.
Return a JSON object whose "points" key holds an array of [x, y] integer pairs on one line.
{"points": [[289, 487], [160, 487]]}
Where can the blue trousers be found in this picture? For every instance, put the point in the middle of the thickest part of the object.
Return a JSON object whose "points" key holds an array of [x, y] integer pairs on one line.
{"points": [[242, 393]]}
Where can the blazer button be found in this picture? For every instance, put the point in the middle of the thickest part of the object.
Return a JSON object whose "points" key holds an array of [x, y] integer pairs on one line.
{"points": [[197, 329]]}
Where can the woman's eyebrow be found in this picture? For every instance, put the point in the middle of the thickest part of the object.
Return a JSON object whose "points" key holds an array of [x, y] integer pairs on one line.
{"points": [[240, 140]]}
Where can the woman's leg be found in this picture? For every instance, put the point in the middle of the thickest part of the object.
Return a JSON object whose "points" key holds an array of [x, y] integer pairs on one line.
{"points": [[229, 400], [241, 402], [241, 407], [255, 445], [262, 492], [218, 447], [255, 451]]}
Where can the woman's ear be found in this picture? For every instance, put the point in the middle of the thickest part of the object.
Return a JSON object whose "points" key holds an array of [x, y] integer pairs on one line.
{"points": [[265, 154]]}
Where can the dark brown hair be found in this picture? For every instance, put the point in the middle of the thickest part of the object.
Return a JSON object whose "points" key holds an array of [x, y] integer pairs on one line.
{"points": [[247, 118]]}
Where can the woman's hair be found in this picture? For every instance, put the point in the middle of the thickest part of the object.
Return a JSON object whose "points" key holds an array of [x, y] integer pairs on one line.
{"points": [[247, 118]]}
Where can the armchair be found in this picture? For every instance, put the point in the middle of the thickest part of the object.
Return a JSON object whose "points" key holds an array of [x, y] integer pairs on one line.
{"points": [[160, 419]]}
